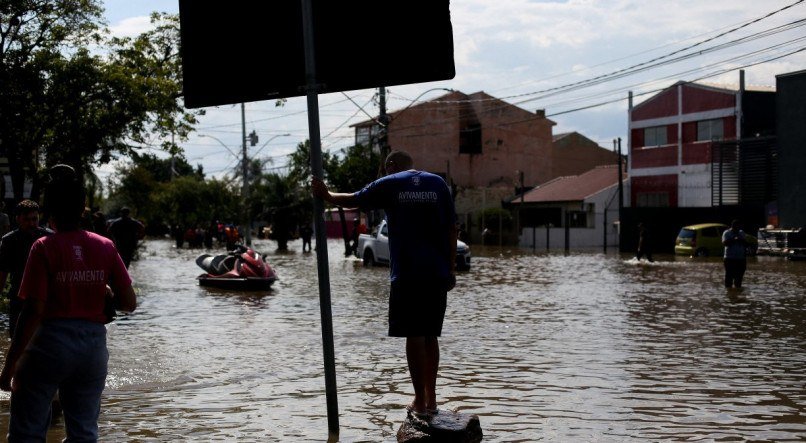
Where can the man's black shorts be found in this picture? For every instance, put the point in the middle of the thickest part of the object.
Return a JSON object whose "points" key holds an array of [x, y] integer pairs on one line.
{"points": [[417, 309]]}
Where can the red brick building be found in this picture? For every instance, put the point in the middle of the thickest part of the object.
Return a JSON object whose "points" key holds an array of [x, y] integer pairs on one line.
{"points": [[672, 136], [477, 140], [484, 146]]}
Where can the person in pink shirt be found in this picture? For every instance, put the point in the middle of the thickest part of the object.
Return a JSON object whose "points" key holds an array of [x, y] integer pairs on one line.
{"points": [[60, 342]]}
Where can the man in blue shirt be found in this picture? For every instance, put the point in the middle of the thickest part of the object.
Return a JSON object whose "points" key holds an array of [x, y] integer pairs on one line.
{"points": [[735, 259], [422, 249]]}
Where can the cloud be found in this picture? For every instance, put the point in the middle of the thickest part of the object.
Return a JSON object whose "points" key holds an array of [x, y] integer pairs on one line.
{"points": [[131, 27]]}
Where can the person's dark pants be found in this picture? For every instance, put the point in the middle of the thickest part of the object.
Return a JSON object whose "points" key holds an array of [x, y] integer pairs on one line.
{"points": [[646, 253], [68, 355], [417, 309], [734, 271]]}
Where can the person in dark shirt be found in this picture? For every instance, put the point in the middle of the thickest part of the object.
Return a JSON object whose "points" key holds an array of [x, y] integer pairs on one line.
{"points": [[99, 224], [422, 248], [126, 232], [735, 259], [306, 232], [14, 250], [644, 243]]}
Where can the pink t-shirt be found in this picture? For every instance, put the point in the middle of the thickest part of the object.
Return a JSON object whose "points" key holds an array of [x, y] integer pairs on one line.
{"points": [[69, 271]]}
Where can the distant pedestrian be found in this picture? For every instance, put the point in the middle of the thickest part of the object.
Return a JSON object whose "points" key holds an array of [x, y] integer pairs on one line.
{"points": [[735, 259], [354, 237], [99, 224], [126, 232], [306, 232], [232, 236], [209, 234], [644, 243], [14, 250], [178, 234]]}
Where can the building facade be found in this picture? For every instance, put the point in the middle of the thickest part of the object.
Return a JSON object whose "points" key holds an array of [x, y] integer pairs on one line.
{"points": [[574, 212], [672, 140], [485, 148], [478, 141]]}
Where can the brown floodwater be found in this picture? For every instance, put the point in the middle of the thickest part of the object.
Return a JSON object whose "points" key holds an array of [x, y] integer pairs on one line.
{"points": [[551, 347]]}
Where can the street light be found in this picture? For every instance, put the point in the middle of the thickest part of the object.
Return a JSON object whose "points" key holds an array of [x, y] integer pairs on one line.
{"points": [[267, 142], [222, 144]]}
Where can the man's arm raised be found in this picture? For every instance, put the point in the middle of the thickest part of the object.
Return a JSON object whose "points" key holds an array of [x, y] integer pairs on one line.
{"points": [[335, 198]]}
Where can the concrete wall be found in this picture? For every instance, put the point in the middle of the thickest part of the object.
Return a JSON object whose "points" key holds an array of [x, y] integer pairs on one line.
{"points": [[579, 238]]}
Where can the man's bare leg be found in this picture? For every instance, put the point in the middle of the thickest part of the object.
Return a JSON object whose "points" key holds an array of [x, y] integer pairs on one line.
{"points": [[417, 357], [431, 369], [422, 354]]}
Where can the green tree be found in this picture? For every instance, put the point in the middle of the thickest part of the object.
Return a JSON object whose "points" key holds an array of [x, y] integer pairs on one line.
{"points": [[190, 201], [63, 103], [283, 204], [166, 191], [299, 164], [357, 166]]}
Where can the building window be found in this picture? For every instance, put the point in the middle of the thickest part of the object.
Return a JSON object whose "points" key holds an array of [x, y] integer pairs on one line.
{"points": [[708, 130], [470, 139], [577, 219], [655, 136], [652, 200]]}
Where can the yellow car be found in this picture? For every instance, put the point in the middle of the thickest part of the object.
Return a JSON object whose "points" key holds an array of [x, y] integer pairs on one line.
{"points": [[705, 240]]}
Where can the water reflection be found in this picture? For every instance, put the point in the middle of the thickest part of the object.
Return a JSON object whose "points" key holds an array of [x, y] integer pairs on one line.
{"points": [[551, 347]]}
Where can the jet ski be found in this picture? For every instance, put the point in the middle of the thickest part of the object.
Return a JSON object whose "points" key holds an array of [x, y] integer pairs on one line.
{"points": [[241, 269]]}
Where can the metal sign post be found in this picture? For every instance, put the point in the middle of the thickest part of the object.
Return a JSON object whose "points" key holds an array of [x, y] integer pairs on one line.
{"points": [[319, 222]]}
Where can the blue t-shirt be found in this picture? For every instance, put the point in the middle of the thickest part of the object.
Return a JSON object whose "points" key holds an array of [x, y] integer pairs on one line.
{"points": [[420, 213], [736, 249]]}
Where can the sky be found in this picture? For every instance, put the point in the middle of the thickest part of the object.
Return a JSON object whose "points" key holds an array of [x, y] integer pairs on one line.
{"points": [[577, 59]]}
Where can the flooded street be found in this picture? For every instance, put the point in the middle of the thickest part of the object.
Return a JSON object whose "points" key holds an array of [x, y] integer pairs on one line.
{"points": [[543, 347]]}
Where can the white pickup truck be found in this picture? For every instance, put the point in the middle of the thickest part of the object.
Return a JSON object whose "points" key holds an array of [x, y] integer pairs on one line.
{"points": [[373, 249]]}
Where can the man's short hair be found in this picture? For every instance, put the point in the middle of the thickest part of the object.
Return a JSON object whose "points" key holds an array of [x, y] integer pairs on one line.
{"points": [[26, 207], [400, 158]]}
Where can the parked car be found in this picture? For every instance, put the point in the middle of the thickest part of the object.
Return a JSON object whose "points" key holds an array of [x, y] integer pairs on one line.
{"points": [[373, 249], [705, 240]]}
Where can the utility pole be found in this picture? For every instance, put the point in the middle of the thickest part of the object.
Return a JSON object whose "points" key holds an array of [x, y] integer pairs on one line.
{"points": [[383, 119], [173, 158], [620, 193], [383, 143], [245, 188]]}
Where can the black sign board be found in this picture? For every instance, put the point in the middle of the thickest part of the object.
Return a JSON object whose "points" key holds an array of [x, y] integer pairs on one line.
{"points": [[239, 51]]}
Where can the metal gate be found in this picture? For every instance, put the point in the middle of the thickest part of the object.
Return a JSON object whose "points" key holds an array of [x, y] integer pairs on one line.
{"points": [[744, 171]]}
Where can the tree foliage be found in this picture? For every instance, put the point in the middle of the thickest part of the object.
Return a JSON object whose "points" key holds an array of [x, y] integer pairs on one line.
{"points": [[166, 192], [72, 95], [355, 168]]}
